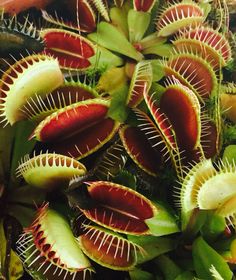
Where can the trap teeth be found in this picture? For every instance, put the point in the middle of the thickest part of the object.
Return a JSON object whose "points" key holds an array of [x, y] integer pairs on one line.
{"points": [[194, 72], [179, 16], [119, 208], [50, 171], [207, 43], [228, 211], [217, 190], [81, 9], [109, 249], [77, 130], [28, 77], [183, 110], [140, 83], [71, 49], [49, 242], [194, 177]]}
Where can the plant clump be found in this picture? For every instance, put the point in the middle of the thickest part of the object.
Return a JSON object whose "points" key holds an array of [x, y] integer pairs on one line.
{"points": [[117, 140]]}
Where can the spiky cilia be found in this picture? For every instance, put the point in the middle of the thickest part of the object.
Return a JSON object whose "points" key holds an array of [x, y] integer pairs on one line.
{"points": [[70, 92], [140, 83], [108, 248], [78, 15], [192, 71], [24, 80], [72, 50], [119, 208], [79, 129], [49, 170], [179, 16], [182, 108], [114, 47], [140, 150], [49, 243], [207, 42], [18, 38]]}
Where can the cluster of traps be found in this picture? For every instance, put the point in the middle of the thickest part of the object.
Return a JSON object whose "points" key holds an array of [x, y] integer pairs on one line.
{"points": [[126, 100]]}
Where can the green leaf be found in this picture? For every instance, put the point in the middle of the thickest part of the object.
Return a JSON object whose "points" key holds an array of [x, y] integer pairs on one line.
{"points": [[125, 178], [162, 223], [105, 59], [213, 227], [206, 7], [111, 38], [23, 201], [118, 110], [204, 257], [138, 23], [7, 137], [25, 215], [229, 134], [15, 268], [164, 50], [231, 66], [229, 155], [28, 195], [151, 41], [157, 70], [193, 221], [168, 267], [21, 145], [112, 80], [154, 246], [138, 274], [119, 19], [187, 275], [215, 274]]}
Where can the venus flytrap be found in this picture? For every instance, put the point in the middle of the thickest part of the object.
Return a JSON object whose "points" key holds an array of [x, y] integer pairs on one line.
{"points": [[25, 79], [109, 249], [18, 37], [97, 101], [179, 16], [49, 170], [50, 242]]}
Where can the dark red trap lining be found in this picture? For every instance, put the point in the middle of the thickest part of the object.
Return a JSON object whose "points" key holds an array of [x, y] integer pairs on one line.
{"points": [[72, 121], [119, 208], [143, 5], [139, 148], [87, 141], [183, 116]]}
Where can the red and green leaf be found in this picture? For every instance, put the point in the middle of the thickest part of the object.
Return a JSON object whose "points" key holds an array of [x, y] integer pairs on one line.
{"points": [[144, 6], [71, 49], [140, 150], [119, 208]]}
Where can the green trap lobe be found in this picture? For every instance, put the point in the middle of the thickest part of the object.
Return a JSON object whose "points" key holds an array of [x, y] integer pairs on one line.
{"points": [[108, 249]]}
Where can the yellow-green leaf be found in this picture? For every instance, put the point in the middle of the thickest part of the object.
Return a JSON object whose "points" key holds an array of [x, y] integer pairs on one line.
{"points": [[15, 269]]}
